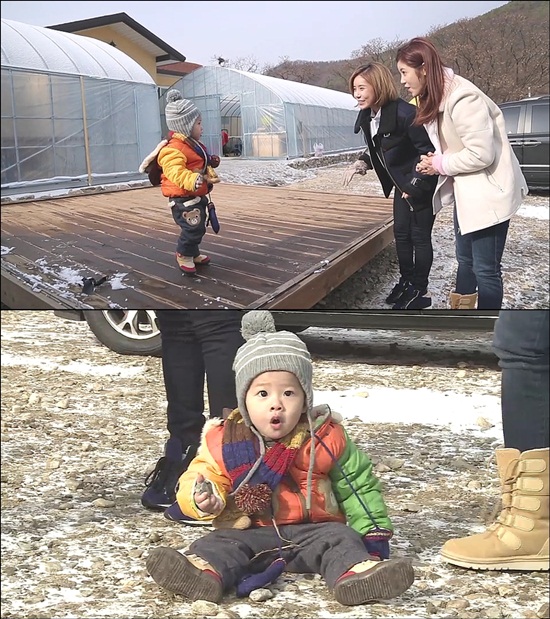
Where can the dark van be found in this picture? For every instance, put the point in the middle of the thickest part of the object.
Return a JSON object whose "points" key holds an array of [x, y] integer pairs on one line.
{"points": [[527, 125]]}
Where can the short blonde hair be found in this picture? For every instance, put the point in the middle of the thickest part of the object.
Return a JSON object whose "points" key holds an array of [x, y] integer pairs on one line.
{"points": [[381, 80]]}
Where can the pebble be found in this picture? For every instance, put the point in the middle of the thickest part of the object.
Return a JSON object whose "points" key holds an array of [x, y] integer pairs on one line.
{"points": [[103, 503], [260, 595]]}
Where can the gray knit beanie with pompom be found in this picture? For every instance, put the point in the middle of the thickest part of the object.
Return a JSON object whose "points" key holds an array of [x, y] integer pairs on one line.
{"points": [[181, 113], [268, 350]]}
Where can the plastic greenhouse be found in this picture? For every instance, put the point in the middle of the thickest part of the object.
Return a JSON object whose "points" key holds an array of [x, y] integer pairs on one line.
{"points": [[75, 111], [270, 117]]}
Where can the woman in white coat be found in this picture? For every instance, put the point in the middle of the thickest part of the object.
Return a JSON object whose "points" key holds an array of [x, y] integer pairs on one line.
{"points": [[478, 172]]}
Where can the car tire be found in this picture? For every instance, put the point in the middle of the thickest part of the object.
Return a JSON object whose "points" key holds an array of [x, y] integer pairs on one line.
{"points": [[127, 332]]}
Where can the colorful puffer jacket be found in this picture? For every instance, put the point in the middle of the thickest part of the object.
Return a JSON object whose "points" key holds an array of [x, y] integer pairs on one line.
{"points": [[181, 165], [334, 481]]}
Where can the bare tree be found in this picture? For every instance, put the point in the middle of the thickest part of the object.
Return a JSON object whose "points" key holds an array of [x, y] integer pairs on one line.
{"points": [[242, 63], [341, 74], [504, 52], [378, 50], [295, 70], [506, 58]]}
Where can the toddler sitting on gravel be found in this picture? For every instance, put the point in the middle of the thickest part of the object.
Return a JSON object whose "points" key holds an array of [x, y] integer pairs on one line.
{"points": [[284, 487]]}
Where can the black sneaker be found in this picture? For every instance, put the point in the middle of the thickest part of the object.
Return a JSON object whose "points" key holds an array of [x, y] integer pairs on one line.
{"points": [[162, 480], [397, 291], [413, 298]]}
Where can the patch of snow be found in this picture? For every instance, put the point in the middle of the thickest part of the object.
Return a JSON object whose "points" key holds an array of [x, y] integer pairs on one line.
{"points": [[535, 211], [456, 411], [75, 367], [116, 281]]}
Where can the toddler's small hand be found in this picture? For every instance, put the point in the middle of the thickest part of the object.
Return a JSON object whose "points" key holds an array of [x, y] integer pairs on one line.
{"points": [[204, 498]]}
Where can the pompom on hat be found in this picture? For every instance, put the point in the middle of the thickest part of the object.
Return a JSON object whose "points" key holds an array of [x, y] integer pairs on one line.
{"points": [[268, 350], [181, 113]]}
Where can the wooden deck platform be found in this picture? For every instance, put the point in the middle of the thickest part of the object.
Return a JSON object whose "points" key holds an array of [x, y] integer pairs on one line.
{"points": [[278, 248]]}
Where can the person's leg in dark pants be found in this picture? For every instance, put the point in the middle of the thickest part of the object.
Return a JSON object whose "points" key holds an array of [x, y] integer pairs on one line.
{"points": [[487, 249], [192, 223], [479, 256], [213, 563], [402, 235], [415, 253], [183, 372], [219, 337], [521, 343], [519, 538], [466, 283], [403, 247], [195, 344], [229, 551], [337, 552], [421, 233]]}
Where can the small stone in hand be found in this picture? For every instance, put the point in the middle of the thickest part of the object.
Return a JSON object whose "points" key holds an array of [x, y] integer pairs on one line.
{"points": [[204, 486]]}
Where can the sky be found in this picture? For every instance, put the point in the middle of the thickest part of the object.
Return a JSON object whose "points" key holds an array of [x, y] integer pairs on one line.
{"points": [[264, 31]]}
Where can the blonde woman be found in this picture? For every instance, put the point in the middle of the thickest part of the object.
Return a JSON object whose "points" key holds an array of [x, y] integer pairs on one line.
{"points": [[395, 145]]}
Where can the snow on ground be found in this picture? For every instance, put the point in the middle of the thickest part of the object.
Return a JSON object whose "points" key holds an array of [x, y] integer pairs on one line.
{"points": [[82, 426]]}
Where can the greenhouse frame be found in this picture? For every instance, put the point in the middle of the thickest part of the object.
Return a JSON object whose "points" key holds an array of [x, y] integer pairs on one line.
{"points": [[268, 117], [76, 111]]}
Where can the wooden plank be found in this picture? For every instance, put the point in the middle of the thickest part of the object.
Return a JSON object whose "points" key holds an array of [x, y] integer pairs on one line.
{"points": [[17, 293], [315, 286], [274, 244]]}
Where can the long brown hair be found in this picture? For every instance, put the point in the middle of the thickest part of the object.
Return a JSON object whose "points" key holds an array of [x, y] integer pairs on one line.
{"points": [[419, 53], [381, 80]]}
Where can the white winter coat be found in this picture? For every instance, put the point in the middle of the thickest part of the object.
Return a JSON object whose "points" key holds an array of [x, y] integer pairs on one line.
{"points": [[482, 175]]}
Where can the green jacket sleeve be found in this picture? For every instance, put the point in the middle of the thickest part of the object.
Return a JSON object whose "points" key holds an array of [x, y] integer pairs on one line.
{"points": [[365, 508]]}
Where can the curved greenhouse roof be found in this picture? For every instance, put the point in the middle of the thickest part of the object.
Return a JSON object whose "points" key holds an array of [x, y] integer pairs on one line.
{"points": [[296, 92], [76, 112], [271, 117], [36, 48]]}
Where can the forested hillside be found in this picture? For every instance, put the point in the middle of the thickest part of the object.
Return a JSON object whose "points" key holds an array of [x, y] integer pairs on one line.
{"points": [[504, 52]]}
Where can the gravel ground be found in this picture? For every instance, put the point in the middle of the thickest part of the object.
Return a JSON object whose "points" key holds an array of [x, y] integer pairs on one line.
{"points": [[526, 269], [81, 427]]}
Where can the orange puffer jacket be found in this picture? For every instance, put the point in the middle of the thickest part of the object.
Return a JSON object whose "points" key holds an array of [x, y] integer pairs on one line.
{"points": [[332, 499], [181, 165]]}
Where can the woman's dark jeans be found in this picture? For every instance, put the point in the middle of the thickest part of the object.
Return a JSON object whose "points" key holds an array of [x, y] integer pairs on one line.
{"points": [[521, 344], [479, 256]]}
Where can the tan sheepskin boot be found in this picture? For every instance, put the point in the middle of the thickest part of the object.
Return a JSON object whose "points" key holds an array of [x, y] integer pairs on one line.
{"points": [[518, 539], [463, 301]]}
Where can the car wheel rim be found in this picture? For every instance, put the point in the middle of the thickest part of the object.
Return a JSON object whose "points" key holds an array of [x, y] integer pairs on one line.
{"points": [[133, 324]]}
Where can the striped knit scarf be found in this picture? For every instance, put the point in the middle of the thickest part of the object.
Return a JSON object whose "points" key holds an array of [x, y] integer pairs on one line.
{"points": [[254, 470]]}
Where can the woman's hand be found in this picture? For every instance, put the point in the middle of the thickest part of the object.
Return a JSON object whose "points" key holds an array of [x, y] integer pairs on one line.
{"points": [[425, 165], [359, 167], [204, 498]]}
